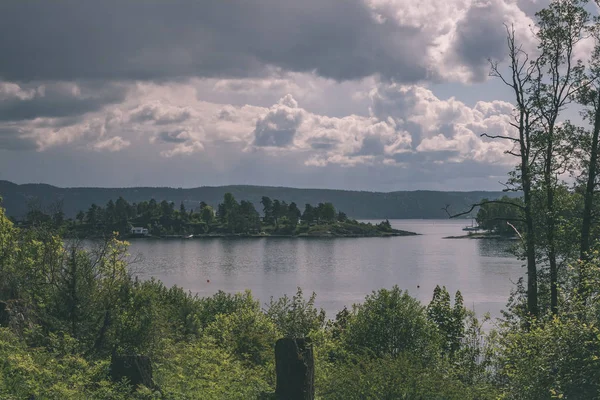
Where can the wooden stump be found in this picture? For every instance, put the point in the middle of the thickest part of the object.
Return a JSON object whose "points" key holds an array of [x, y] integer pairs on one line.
{"points": [[137, 369], [295, 366]]}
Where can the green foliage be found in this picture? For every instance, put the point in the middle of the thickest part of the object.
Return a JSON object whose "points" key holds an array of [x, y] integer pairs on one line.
{"points": [[384, 226], [496, 217], [203, 370], [295, 317], [555, 359], [54, 373], [391, 322], [449, 319], [397, 377], [247, 331]]}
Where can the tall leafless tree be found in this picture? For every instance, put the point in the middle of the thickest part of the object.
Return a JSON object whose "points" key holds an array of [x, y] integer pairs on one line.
{"points": [[521, 78]]}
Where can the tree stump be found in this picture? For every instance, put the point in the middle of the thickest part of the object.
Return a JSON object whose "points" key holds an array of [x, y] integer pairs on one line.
{"points": [[136, 368], [295, 366], [4, 314]]}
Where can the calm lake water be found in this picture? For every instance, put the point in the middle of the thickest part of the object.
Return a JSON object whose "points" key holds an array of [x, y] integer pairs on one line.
{"points": [[340, 270]]}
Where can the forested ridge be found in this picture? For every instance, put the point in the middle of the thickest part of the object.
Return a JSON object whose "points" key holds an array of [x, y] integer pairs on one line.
{"points": [[356, 204]]}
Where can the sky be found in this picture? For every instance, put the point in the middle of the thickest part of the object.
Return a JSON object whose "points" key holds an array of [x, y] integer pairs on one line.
{"points": [[377, 95]]}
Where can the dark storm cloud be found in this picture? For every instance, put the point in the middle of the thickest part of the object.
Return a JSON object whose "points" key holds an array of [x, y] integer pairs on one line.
{"points": [[60, 100], [339, 39], [480, 36]]}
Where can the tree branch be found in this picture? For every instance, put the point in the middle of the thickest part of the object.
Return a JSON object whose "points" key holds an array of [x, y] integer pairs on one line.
{"points": [[499, 137], [447, 208]]}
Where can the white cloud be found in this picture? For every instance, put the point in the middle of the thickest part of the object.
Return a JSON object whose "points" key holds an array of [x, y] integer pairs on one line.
{"points": [[184, 149], [161, 113], [12, 91], [403, 120], [459, 35], [113, 144], [278, 127], [404, 127]]}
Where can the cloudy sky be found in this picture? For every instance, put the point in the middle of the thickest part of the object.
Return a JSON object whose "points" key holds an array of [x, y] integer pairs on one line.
{"points": [[354, 94]]}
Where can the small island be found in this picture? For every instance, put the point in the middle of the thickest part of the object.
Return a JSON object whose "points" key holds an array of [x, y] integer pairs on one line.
{"points": [[496, 219], [163, 220]]}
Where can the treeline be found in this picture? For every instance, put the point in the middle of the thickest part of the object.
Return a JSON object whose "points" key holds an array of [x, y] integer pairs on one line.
{"points": [[358, 204], [67, 312], [230, 217]]}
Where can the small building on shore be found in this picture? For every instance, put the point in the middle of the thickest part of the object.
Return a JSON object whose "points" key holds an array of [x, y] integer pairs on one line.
{"points": [[139, 231]]}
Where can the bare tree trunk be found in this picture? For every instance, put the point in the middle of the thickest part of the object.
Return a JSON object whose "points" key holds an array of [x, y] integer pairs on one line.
{"points": [[523, 73], [550, 220], [590, 187], [73, 293], [532, 287]]}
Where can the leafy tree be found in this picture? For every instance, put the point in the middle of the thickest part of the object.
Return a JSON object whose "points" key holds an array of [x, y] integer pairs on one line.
{"points": [[247, 332], [555, 357], [342, 217], [36, 217], [295, 317], [588, 96], [561, 25], [397, 377], [207, 214], [449, 319], [250, 217], [201, 368], [267, 209], [309, 214], [80, 217], [384, 226], [391, 322], [221, 213], [499, 216], [293, 214], [278, 211]]}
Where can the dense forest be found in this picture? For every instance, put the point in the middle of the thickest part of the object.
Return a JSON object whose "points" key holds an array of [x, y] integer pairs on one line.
{"points": [[231, 217], [18, 199]]}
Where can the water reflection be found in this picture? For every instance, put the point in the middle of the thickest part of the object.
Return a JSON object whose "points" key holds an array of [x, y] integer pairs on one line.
{"points": [[341, 271], [497, 248]]}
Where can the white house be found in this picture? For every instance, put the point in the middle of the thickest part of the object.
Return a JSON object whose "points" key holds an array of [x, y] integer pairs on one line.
{"points": [[138, 230]]}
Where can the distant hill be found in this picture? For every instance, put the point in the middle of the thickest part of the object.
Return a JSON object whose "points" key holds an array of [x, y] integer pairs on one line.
{"points": [[357, 204]]}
